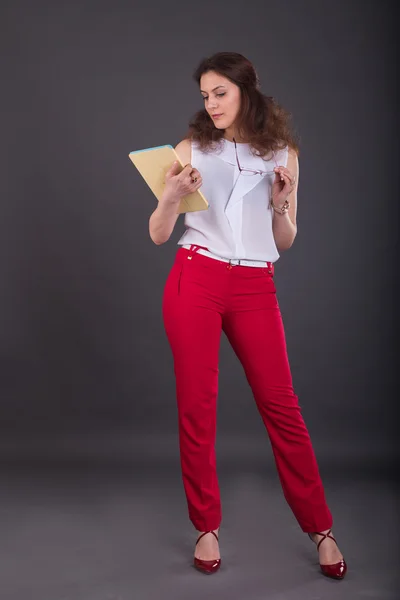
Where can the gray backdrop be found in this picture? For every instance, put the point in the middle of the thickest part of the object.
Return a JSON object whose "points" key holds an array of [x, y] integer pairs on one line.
{"points": [[85, 364]]}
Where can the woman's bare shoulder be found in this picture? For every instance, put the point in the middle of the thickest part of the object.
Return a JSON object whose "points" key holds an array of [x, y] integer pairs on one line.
{"points": [[184, 151]]}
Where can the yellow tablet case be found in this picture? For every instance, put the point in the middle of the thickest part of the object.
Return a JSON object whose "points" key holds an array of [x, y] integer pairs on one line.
{"points": [[153, 164]]}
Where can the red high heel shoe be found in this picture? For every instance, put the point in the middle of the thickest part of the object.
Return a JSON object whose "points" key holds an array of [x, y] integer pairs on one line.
{"points": [[337, 570], [207, 566]]}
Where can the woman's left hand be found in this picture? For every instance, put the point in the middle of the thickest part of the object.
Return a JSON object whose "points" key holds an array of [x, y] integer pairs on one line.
{"points": [[282, 186]]}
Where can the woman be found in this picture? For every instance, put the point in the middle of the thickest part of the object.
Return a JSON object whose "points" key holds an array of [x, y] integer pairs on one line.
{"points": [[240, 151]]}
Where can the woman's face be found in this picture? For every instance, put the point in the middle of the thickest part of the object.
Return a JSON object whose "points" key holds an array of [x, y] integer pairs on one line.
{"points": [[221, 99]]}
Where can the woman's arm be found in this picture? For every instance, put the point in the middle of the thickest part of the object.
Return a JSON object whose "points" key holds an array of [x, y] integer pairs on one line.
{"points": [[284, 226], [165, 216], [163, 220]]}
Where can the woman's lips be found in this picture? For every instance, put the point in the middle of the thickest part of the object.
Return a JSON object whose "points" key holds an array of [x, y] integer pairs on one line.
{"points": [[217, 116]]}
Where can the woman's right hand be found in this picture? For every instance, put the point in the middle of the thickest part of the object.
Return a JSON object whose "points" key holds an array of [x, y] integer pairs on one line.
{"points": [[178, 185]]}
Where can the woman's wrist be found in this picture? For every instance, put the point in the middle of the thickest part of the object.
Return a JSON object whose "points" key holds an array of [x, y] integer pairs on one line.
{"points": [[169, 198], [280, 208]]}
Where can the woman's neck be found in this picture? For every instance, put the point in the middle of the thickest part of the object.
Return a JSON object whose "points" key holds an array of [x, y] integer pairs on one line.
{"points": [[231, 135]]}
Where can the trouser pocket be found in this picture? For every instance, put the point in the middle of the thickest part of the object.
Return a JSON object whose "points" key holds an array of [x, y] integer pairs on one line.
{"points": [[180, 277]]}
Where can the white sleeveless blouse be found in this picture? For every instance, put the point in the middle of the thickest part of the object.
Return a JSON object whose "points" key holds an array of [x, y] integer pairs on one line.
{"points": [[238, 222]]}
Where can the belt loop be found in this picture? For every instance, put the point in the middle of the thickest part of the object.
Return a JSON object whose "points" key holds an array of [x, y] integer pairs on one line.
{"points": [[193, 250]]}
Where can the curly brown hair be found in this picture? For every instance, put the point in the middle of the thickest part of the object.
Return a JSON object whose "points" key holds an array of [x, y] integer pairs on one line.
{"points": [[261, 121]]}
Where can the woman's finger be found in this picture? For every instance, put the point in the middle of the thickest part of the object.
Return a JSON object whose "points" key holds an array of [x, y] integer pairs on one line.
{"points": [[185, 173], [287, 173], [287, 178], [196, 184], [195, 175]]}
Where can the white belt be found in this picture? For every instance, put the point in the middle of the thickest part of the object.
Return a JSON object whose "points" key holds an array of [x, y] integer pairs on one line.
{"points": [[233, 261]]}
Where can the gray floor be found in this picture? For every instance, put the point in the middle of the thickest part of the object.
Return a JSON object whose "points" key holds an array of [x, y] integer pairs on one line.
{"points": [[87, 530]]}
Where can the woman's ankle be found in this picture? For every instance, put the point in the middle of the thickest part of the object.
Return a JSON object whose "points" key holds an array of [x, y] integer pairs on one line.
{"points": [[216, 531]]}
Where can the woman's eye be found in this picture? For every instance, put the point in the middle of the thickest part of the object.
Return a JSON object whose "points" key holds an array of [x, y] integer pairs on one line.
{"points": [[218, 96]]}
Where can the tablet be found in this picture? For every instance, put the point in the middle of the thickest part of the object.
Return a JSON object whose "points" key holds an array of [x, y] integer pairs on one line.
{"points": [[153, 164]]}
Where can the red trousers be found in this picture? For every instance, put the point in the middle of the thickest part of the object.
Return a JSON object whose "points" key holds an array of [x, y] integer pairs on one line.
{"points": [[202, 298]]}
